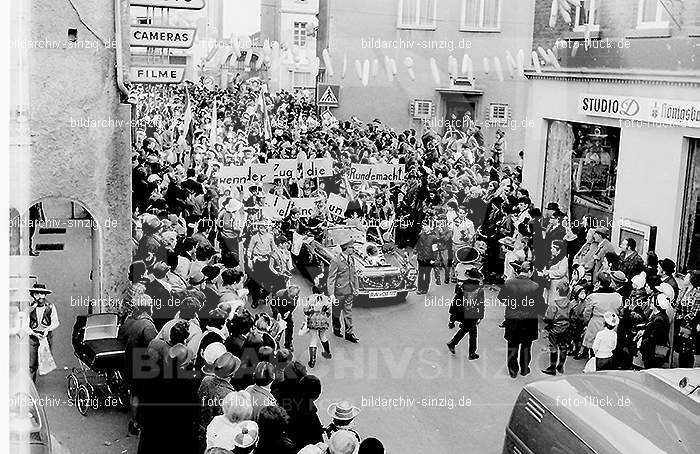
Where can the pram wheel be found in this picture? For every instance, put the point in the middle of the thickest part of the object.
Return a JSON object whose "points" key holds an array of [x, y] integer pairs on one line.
{"points": [[72, 386], [82, 401]]}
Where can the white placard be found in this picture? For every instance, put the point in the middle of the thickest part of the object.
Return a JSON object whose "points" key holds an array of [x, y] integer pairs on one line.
{"points": [[337, 205], [283, 168], [312, 168], [380, 173], [277, 206], [148, 36], [174, 4], [306, 206]]}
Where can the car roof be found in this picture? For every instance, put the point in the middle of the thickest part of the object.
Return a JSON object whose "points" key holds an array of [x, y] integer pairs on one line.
{"points": [[626, 411]]}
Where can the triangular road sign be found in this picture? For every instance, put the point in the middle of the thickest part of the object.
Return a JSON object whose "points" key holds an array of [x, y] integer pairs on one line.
{"points": [[328, 97]]}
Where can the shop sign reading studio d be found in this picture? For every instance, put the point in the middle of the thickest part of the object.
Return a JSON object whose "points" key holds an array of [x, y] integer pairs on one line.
{"points": [[651, 110]]}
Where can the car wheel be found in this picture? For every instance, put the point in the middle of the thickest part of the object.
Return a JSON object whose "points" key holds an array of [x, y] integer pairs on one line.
{"points": [[401, 297], [71, 386], [82, 401]]}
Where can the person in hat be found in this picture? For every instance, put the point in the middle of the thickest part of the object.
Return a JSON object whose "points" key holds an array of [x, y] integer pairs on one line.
{"points": [[150, 248], [137, 331], [557, 321], [223, 431], [601, 236], [160, 292], [654, 343], [522, 298], [557, 271], [342, 284], [246, 437], [667, 269], [228, 225], [343, 415], [605, 342], [602, 300], [43, 320], [258, 255], [467, 309], [214, 389], [555, 232], [343, 442], [260, 390], [304, 424], [211, 288], [215, 331], [621, 284], [426, 254]]}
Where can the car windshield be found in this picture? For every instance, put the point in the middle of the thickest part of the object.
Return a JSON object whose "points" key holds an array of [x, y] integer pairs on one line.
{"points": [[336, 235]]}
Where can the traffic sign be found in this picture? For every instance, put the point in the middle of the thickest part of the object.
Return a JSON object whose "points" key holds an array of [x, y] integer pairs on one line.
{"points": [[174, 4], [157, 74], [328, 95], [175, 37]]}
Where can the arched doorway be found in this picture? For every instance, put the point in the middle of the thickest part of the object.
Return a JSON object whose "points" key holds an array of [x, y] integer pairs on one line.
{"points": [[56, 241]]}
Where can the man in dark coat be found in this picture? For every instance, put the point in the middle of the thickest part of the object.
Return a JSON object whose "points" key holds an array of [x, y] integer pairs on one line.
{"points": [[467, 309], [160, 291], [522, 298]]}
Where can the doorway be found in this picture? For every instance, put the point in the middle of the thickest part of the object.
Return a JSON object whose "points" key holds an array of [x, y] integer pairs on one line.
{"points": [[455, 112], [690, 233]]}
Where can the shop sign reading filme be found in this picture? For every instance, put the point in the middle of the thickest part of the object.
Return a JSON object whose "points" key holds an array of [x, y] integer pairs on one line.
{"points": [[157, 74], [650, 110]]}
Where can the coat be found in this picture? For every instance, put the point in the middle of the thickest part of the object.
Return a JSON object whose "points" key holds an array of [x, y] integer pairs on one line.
{"points": [[211, 394], [305, 427], [260, 398], [597, 304], [467, 306], [164, 308], [557, 272], [522, 298], [342, 279]]}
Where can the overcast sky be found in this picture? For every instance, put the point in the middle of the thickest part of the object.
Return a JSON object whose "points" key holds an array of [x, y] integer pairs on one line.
{"points": [[241, 17]]}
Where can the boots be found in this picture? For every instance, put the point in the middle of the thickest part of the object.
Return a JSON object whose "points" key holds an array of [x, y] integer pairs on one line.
{"points": [[326, 350], [562, 359], [552, 369], [312, 357]]}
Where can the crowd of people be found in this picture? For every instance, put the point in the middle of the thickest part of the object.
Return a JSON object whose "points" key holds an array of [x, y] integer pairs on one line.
{"points": [[208, 263]]}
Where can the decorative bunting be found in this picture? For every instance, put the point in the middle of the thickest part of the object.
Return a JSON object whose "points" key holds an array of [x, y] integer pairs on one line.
{"points": [[365, 72], [486, 65], [345, 66], [328, 62], [499, 69], [358, 69], [435, 71], [408, 61], [536, 62], [510, 63]]}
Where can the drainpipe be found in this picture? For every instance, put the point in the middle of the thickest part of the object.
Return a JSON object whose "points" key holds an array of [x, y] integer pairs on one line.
{"points": [[118, 40]]}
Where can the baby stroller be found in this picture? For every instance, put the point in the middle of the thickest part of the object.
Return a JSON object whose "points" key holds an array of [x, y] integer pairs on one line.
{"points": [[98, 381]]}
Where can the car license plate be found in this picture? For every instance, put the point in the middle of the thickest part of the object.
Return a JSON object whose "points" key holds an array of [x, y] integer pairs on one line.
{"points": [[383, 294]]}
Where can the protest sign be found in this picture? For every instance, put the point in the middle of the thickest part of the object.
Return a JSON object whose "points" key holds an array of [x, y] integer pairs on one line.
{"points": [[305, 206], [313, 168], [380, 173], [276, 206], [283, 168], [337, 205], [233, 175]]}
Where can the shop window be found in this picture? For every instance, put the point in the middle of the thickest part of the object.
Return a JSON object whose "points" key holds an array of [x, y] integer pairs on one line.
{"points": [[484, 15], [301, 80], [417, 14], [586, 14], [581, 169], [300, 34], [652, 14]]}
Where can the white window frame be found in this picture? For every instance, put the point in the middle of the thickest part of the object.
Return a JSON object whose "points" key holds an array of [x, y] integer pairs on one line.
{"points": [[658, 23], [592, 27], [481, 28], [492, 108], [303, 33], [416, 22], [425, 103], [302, 87]]}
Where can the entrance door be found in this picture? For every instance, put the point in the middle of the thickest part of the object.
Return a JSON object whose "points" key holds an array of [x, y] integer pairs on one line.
{"points": [[455, 111], [690, 244]]}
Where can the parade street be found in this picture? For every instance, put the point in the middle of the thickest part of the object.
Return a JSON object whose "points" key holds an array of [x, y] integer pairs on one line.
{"points": [[410, 388]]}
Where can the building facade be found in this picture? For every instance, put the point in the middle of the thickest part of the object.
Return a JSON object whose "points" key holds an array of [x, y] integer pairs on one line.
{"points": [[293, 25], [617, 126], [70, 171], [415, 31]]}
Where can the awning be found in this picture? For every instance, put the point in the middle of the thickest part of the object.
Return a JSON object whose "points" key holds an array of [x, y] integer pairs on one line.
{"points": [[461, 90]]}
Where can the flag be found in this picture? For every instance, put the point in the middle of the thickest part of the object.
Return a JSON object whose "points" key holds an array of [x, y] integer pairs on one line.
{"points": [[186, 137], [213, 127], [267, 129]]}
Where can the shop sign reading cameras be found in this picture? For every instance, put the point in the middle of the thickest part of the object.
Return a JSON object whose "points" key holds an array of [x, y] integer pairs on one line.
{"points": [[157, 74], [174, 37], [174, 4]]}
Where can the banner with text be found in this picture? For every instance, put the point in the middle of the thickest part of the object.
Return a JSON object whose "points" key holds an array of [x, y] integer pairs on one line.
{"points": [[380, 173]]}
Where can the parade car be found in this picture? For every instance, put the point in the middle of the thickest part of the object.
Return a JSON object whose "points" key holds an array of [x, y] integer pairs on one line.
{"points": [[611, 412], [382, 270]]}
